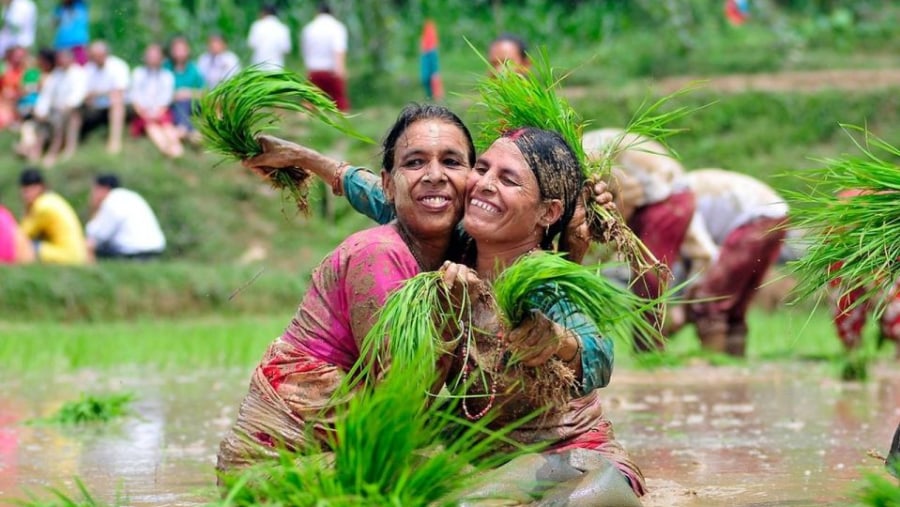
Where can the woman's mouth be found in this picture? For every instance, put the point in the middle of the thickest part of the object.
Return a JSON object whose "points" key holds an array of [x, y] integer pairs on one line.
{"points": [[435, 202], [484, 206]]}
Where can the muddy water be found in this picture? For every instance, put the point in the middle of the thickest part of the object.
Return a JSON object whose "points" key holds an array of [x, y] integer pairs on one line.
{"points": [[770, 434]]}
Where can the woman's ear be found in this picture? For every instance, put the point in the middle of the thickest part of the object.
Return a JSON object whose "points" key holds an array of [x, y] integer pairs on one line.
{"points": [[553, 210], [387, 183]]}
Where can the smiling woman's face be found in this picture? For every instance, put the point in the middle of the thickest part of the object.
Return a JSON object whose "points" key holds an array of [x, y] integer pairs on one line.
{"points": [[428, 180], [504, 202]]}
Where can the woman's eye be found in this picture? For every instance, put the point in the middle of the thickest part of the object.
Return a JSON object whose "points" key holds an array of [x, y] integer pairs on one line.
{"points": [[413, 162], [509, 181], [452, 162], [480, 169]]}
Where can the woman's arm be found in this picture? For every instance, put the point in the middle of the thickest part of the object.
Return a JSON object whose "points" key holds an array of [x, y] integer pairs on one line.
{"points": [[362, 188], [558, 328]]}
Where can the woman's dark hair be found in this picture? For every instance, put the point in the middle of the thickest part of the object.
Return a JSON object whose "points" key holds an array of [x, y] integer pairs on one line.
{"points": [[558, 173], [417, 112], [519, 42], [47, 56]]}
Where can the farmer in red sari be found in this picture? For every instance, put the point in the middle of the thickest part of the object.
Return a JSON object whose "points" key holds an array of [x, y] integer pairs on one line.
{"points": [[850, 313], [427, 156], [742, 220], [660, 212]]}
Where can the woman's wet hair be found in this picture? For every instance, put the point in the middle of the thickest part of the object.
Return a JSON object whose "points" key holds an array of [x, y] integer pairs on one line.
{"points": [[558, 172], [418, 112]]}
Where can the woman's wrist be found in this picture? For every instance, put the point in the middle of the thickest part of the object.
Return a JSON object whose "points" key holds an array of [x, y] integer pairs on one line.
{"points": [[337, 179]]}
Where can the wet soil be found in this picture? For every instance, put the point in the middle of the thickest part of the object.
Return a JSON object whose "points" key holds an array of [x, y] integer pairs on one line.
{"points": [[756, 435]]}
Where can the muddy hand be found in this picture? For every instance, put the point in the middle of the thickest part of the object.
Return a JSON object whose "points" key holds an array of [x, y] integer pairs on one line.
{"points": [[602, 196], [535, 340], [457, 278], [277, 154]]}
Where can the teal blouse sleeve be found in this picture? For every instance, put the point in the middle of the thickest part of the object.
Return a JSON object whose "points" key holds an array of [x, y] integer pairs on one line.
{"points": [[363, 191], [596, 351]]}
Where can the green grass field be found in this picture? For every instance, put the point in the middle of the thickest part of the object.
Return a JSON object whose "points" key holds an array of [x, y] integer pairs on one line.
{"points": [[228, 341]]}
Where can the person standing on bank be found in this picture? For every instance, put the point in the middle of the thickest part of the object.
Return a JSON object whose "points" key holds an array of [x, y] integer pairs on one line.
{"points": [[324, 44], [269, 39], [122, 224]]}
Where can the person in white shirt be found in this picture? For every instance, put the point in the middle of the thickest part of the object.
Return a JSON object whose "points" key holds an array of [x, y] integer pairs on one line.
{"points": [[324, 44], [61, 94], [269, 39], [152, 92], [218, 63], [734, 238], [19, 24], [122, 224], [108, 79]]}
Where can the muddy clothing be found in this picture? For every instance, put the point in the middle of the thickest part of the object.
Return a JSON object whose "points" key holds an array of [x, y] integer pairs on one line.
{"points": [[53, 226], [363, 191], [571, 418], [291, 389], [735, 237]]}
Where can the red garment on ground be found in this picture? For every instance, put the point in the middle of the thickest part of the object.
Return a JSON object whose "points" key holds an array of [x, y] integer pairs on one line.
{"points": [[333, 86], [139, 125], [662, 227], [744, 258]]}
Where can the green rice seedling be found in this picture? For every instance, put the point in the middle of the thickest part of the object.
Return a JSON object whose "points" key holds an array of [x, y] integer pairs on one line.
{"points": [[62, 499], [510, 100], [233, 115], [414, 321], [879, 491], [616, 311], [853, 241], [90, 408], [386, 450]]}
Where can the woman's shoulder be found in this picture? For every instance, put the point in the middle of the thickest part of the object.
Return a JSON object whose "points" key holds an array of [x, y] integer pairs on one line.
{"points": [[383, 239]]}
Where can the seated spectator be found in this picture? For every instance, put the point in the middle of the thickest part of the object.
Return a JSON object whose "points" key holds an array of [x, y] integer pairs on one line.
{"points": [[18, 24], [218, 63], [50, 222], [152, 90], [32, 80], [107, 84], [61, 94], [16, 60], [72, 29], [14, 246], [269, 39], [122, 223], [189, 86]]}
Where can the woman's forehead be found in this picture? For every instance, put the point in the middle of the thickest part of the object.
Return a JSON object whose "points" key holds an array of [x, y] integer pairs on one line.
{"points": [[432, 134]]}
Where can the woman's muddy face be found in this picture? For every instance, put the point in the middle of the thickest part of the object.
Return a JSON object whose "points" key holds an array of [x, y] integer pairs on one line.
{"points": [[504, 202], [427, 184]]}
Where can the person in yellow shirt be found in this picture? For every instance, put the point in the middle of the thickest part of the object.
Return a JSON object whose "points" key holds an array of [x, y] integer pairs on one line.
{"points": [[50, 222]]}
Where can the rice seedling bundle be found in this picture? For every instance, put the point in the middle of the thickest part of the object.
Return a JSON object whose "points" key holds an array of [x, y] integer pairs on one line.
{"points": [[388, 450], [234, 113], [511, 100], [853, 240], [414, 322], [89, 408]]}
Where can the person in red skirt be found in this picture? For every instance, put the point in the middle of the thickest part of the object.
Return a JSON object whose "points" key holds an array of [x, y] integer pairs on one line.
{"points": [[851, 312], [653, 197], [324, 45], [743, 220]]}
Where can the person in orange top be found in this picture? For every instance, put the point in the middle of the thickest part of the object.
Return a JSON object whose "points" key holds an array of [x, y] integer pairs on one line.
{"points": [[11, 84]]}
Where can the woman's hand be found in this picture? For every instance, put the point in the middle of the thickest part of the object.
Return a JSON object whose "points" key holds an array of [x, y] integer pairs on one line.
{"points": [[537, 339], [458, 278], [277, 154], [578, 234]]}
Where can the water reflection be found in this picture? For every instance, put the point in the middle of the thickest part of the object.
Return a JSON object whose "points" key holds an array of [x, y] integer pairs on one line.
{"points": [[773, 434]]}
